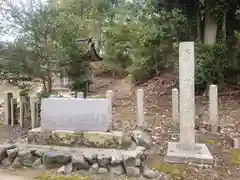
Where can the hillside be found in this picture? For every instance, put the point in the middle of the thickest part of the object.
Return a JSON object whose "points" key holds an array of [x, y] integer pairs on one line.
{"points": [[157, 105]]}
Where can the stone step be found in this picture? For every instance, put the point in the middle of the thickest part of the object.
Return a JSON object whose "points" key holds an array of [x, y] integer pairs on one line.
{"points": [[116, 162]]}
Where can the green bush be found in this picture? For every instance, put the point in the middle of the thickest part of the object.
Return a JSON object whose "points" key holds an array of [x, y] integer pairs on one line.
{"points": [[210, 65], [142, 46]]}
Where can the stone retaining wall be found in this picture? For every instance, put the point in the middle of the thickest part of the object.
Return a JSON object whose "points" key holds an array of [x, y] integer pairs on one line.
{"points": [[114, 139], [116, 162]]}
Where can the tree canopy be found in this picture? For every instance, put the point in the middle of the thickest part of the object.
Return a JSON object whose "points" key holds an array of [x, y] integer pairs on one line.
{"points": [[135, 38]]}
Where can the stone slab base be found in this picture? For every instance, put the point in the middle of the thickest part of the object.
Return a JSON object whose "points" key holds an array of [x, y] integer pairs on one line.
{"points": [[114, 139], [115, 162], [199, 154]]}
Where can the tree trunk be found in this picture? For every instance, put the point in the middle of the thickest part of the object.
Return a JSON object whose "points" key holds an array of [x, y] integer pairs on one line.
{"points": [[44, 85], [224, 26], [199, 26], [210, 31], [49, 81], [97, 31]]}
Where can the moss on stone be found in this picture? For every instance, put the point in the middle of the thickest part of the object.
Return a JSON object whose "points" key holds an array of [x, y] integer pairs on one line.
{"points": [[210, 141], [99, 96]]}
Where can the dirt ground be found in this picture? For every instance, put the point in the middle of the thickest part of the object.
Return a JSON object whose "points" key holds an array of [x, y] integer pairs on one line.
{"points": [[157, 105]]}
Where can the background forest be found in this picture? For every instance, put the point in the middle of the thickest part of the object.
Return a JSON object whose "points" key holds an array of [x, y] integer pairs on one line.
{"points": [[137, 38]]}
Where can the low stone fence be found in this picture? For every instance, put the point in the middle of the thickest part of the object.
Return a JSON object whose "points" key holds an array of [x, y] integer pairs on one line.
{"points": [[115, 162], [25, 109]]}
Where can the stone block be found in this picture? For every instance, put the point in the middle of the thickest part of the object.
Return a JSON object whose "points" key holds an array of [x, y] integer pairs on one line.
{"points": [[75, 114], [35, 137], [115, 139], [198, 154], [101, 140], [65, 138]]}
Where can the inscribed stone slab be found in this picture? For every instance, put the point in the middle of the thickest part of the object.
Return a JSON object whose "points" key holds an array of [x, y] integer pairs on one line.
{"points": [[75, 114], [187, 93]]}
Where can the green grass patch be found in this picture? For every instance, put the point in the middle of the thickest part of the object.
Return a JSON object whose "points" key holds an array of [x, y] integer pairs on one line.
{"points": [[235, 156], [210, 141], [1, 123], [100, 96], [174, 171]]}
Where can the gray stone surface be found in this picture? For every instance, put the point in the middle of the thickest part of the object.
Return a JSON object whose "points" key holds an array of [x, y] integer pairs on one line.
{"points": [[113, 139], [141, 138], [55, 157], [187, 93], [27, 157], [91, 157], [17, 163], [104, 160], [116, 159], [37, 163], [149, 173], [91, 160], [3, 150], [133, 171], [7, 162], [12, 153], [102, 170], [117, 170], [3, 153], [75, 114], [213, 108], [94, 168], [187, 150], [198, 154], [7, 108], [68, 168], [132, 159], [79, 162], [61, 170]]}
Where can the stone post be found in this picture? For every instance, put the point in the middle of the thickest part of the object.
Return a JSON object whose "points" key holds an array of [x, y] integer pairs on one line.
{"points": [[21, 111], [109, 96], [33, 100], [213, 107], [7, 108], [187, 94], [140, 108], [37, 104], [175, 110], [187, 151], [65, 81], [14, 111], [80, 95]]}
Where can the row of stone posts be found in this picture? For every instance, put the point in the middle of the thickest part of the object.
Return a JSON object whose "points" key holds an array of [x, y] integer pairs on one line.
{"points": [[15, 113], [26, 113], [213, 107]]}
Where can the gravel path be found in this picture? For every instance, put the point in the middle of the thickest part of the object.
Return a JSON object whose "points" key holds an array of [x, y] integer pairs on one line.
{"points": [[12, 177]]}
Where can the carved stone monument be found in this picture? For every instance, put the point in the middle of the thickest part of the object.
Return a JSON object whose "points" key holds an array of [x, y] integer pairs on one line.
{"points": [[187, 150], [75, 114]]}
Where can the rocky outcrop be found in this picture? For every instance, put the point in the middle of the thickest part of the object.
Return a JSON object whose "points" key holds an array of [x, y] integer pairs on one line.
{"points": [[101, 161], [114, 139]]}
